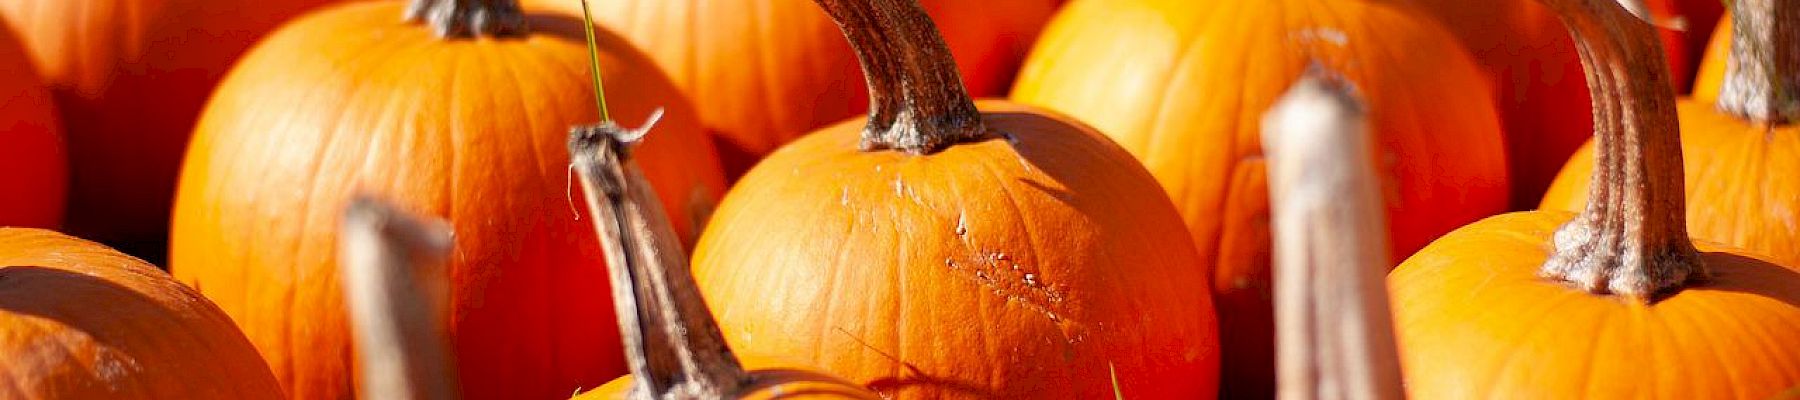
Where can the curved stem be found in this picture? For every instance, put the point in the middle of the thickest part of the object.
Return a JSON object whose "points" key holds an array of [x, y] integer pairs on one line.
{"points": [[469, 18], [393, 268], [671, 341], [1334, 336], [917, 103], [1631, 239], [1762, 76]]}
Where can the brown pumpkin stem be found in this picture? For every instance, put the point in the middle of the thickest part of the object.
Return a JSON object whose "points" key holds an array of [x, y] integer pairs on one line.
{"points": [[393, 268], [1334, 335], [1631, 239], [1762, 75], [917, 103], [672, 344], [469, 18]]}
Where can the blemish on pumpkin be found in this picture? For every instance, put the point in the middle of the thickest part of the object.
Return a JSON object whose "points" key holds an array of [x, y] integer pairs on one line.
{"points": [[1329, 35]]}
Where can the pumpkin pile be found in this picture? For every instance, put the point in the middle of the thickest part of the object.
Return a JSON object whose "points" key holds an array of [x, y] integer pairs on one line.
{"points": [[899, 199]]}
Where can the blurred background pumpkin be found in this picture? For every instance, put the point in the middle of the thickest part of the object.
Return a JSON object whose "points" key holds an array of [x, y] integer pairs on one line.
{"points": [[34, 176]]}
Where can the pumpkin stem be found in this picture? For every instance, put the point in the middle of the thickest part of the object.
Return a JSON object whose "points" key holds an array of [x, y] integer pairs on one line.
{"points": [[671, 341], [1630, 239], [917, 103], [1762, 76], [469, 18], [593, 48], [395, 284], [1335, 337]]}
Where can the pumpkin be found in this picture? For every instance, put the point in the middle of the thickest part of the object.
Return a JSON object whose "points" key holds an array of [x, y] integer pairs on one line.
{"points": [[130, 78], [948, 248], [766, 72], [1743, 147], [1617, 302], [466, 126], [1180, 84], [1711, 76], [81, 321], [671, 340], [1686, 27], [33, 167]]}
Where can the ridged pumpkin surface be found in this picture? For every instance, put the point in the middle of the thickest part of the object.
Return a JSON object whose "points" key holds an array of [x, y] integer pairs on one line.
{"points": [[1477, 294], [1183, 85], [1033, 265], [33, 165], [786, 380], [82, 321], [354, 100]]}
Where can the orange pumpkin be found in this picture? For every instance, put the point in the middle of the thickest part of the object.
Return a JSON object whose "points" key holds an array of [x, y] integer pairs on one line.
{"points": [[130, 77], [1711, 76], [1742, 149], [1617, 302], [470, 128], [82, 321], [945, 247], [33, 167], [1181, 83], [766, 72]]}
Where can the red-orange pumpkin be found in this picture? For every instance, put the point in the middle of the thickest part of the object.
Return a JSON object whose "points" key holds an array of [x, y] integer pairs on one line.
{"points": [[33, 167], [765, 72], [469, 128], [130, 77]]}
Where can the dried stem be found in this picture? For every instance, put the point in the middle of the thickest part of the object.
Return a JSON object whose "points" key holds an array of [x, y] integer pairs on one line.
{"points": [[469, 18], [917, 103], [395, 283], [1762, 76]]}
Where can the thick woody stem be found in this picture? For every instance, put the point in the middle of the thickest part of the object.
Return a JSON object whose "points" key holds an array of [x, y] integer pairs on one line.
{"points": [[1334, 336], [469, 18], [1631, 239], [672, 344], [1762, 76], [917, 103], [397, 289]]}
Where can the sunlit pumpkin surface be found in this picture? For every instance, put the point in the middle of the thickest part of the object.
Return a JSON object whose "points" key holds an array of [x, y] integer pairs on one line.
{"points": [[773, 378], [81, 321], [33, 165], [1475, 321], [354, 100]]}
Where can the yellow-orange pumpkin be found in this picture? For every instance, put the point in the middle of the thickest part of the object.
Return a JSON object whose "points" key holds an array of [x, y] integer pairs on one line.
{"points": [[766, 72], [1181, 84], [1617, 302], [33, 165], [353, 98], [82, 321]]}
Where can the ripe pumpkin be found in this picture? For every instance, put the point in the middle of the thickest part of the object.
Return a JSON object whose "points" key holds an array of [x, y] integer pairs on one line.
{"points": [[468, 127], [1711, 76], [1742, 149], [33, 167], [130, 77], [82, 321], [671, 340], [1180, 84], [766, 72], [1516, 307], [945, 247]]}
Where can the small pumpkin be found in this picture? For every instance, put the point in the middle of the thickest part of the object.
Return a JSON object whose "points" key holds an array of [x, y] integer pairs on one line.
{"points": [[1743, 147], [445, 117], [1180, 84], [130, 78], [33, 166], [766, 72], [79, 320], [1617, 302]]}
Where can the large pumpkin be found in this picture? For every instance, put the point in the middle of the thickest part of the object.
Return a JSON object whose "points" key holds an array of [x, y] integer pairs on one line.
{"points": [[81, 321], [766, 72], [130, 77], [468, 127], [33, 167], [1616, 302], [1743, 146], [947, 248], [1181, 85]]}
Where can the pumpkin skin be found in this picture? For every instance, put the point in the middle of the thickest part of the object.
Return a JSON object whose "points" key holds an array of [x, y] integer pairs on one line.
{"points": [[789, 381], [130, 78], [1017, 267], [1183, 84], [1466, 292], [1711, 76], [352, 100], [766, 72], [33, 166], [82, 321]]}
